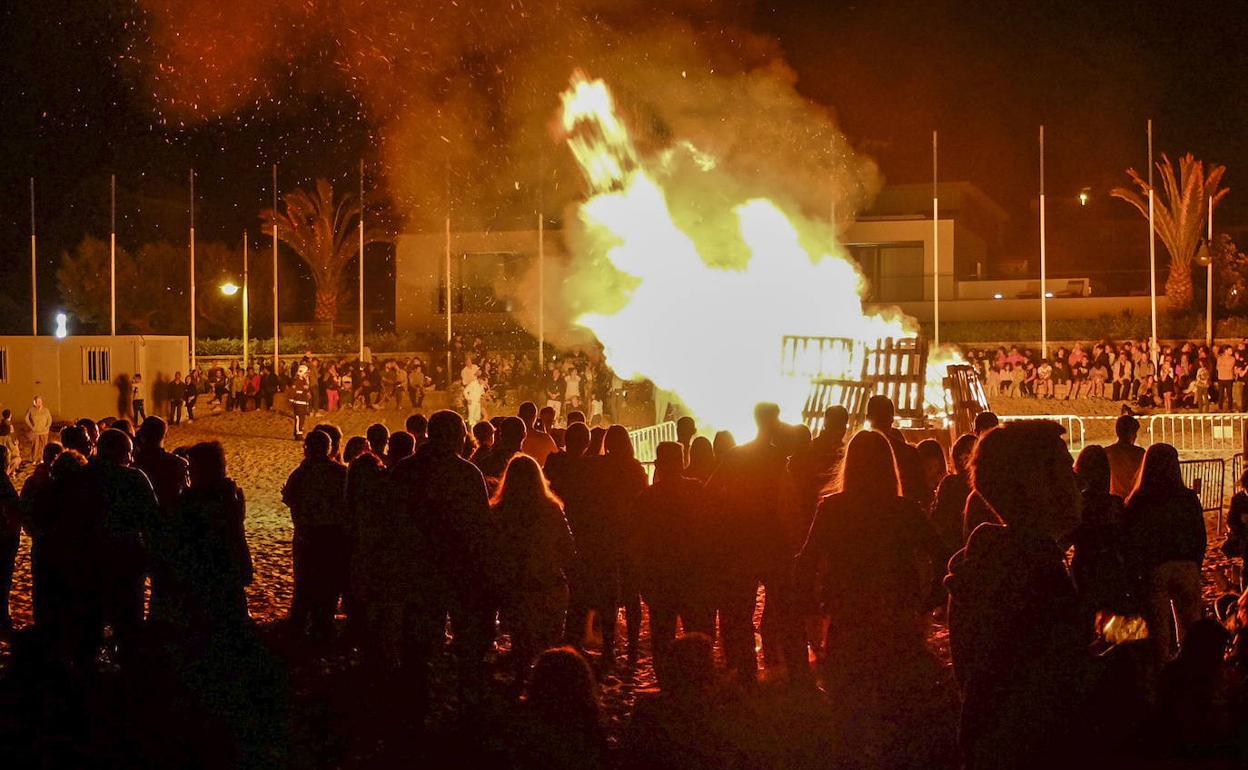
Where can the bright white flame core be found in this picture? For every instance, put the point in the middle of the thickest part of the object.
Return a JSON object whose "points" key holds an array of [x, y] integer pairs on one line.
{"points": [[709, 334]]}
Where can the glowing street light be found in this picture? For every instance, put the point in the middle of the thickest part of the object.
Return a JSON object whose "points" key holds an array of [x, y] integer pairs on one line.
{"points": [[61, 331], [1085, 195], [229, 288]]}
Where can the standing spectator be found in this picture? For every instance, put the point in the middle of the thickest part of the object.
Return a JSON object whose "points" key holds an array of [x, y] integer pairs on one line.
{"points": [[314, 493], [947, 509], [1098, 567], [761, 532], [39, 421], [177, 392], [1235, 546], [1024, 685], [1226, 377], [869, 557], [445, 499], [672, 528], [533, 554], [211, 563], [1165, 545], [1124, 456], [138, 398], [300, 400], [128, 509], [190, 394], [537, 442]]}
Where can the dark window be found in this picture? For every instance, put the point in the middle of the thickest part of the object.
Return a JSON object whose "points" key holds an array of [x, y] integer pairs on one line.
{"points": [[894, 271]]}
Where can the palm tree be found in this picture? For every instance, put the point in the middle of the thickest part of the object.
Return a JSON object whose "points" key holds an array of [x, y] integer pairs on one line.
{"points": [[322, 232], [1180, 216]]}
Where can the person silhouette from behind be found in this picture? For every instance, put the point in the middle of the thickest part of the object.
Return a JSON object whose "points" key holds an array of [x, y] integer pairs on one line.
{"points": [[314, 492], [1016, 629], [872, 554], [759, 533], [1125, 458], [448, 506], [128, 512], [686, 429], [671, 525], [880, 417]]}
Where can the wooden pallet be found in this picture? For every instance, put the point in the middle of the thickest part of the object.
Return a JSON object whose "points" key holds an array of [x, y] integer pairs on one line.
{"points": [[966, 396], [850, 394], [897, 368], [821, 358]]}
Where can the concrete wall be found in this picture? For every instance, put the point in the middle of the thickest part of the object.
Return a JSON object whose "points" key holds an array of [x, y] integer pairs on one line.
{"points": [[1024, 309], [873, 231], [55, 369]]}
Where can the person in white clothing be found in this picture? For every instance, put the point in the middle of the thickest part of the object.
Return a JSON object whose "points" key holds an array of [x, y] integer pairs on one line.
{"points": [[470, 372], [474, 391]]}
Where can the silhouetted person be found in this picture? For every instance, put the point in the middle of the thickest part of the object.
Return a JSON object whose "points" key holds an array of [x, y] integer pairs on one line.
{"points": [[604, 539], [1195, 691], [446, 501], [1124, 456], [378, 436], [314, 493], [75, 437], [934, 465], [1016, 630], [128, 512], [984, 422], [10, 537], [355, 446], [483, 434], [760, 533], [381, 578], [210, 560], [1164, 544], [418, 426], [686, 429], [702, 462], [672, 527], [533, 554], [168, 476], [723, 443], [870, 553], [829, 447], [335, 439], [950, 502], [576, 441], [507, 444], [597, 435], [400, 447], [537, 442], [880, 415], [560, 727], [1098, 567], [67, 563]]}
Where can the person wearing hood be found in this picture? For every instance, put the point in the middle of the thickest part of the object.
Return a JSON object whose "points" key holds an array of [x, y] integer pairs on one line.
{"points": [[315, 492], [1016, 628]]}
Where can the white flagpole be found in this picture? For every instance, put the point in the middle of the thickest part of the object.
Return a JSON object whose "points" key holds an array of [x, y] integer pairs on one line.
{"points": [[34, 270], [192, 268], [361, 320], [1152, 246], [541, 266], [1044, 283], [112, 256], [1209, 280], [448, 272], [276, 365], [246, 331], [935, 250]]}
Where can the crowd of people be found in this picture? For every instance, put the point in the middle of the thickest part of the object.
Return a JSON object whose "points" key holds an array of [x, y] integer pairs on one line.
{"points": [[1076, 625], [1181, 376]]}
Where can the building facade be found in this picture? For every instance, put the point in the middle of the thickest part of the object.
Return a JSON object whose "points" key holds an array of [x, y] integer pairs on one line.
{"points": [[87, 376]]}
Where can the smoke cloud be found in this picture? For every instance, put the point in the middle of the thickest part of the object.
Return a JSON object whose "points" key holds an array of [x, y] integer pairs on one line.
{"points": [[463, 94]]}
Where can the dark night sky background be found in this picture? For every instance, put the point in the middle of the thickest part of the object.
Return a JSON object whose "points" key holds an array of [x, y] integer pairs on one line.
{"points": [[984, 74]]}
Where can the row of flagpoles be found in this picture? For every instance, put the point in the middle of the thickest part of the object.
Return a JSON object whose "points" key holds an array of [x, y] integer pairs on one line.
{"points": [[1044, 319]]}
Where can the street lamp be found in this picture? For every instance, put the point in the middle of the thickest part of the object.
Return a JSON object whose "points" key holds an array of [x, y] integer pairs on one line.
{"points": [[229, 289]]}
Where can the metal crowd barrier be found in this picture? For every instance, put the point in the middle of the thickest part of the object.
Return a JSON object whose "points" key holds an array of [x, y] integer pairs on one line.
{"points": [[1197, 432], [1237, 468], [1206, 478], [1073, 423], [646, 440]]}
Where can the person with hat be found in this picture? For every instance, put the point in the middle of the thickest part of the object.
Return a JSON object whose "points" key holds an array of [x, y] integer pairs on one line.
{"points": [[300, 399]]}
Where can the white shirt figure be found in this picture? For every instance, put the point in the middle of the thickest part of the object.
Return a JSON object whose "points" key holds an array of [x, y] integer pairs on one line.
{"points": [[469, 373], [572, 385], [473, 392]]}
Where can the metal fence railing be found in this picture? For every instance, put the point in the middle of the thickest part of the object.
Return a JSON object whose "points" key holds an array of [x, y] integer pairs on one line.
{"points": [[1197, 432], [1206, 478], [1237, 468], [646, 440], [1076, 435]]}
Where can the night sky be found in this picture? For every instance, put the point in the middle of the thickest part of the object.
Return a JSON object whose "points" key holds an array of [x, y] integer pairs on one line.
{"points": [[78, 106]]}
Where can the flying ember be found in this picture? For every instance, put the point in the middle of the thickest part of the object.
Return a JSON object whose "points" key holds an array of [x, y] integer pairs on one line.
{"points": [[707, 284]]}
